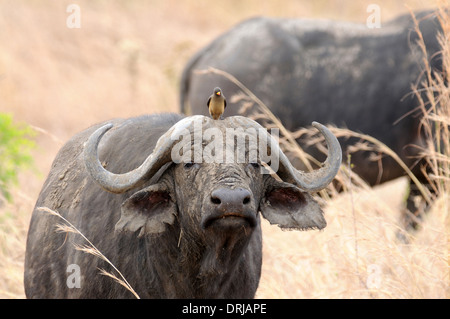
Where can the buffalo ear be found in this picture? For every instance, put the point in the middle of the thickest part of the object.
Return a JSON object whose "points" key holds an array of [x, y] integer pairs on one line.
{"points": [[289, 207], [149, 210]]}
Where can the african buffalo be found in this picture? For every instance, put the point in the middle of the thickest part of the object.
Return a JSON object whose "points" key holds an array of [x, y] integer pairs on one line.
{"points": [[177, 226], [338, 73]]}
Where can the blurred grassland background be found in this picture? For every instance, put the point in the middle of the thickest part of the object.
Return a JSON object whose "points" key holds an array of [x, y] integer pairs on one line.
{"points": [[126, 60]]}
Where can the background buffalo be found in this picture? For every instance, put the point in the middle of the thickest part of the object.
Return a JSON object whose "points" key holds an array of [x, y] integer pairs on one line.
{"points": [[340, 73]]}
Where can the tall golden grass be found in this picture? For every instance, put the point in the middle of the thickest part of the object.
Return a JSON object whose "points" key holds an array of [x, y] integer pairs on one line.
{"points": [[361, 255], [125, 61], [88, 248]]}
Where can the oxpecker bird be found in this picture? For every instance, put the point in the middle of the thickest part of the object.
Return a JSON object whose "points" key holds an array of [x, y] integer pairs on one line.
{"points": [[217, 103]]}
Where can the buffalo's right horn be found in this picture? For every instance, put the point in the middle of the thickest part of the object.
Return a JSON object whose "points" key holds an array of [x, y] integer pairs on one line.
{"points": [[120, 183]]}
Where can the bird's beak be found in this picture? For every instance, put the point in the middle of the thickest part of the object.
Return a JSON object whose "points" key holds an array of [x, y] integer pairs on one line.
{"points": [[218, 93]]}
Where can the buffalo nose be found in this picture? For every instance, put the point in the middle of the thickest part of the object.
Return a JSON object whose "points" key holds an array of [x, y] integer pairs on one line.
{"points": [[230, 209], [230, 199]]}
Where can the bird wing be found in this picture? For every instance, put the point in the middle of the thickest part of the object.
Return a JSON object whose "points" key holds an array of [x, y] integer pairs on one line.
{"points": [[207, 103], [224, 102]]}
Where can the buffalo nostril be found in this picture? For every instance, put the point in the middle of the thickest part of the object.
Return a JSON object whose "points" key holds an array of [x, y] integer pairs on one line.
{"points": [[215, 200], [246, 200]]}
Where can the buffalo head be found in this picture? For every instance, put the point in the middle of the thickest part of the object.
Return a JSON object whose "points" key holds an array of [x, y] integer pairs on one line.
{"points": [[215, 203]]}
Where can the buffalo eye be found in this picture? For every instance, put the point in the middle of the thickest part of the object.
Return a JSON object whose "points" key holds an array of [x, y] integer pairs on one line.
{"points": [[255, 165], [190, 165]]}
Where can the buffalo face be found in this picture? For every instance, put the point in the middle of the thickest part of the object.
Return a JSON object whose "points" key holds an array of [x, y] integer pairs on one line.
{"points": [[215, 195], [214, 207], [218, 206]]}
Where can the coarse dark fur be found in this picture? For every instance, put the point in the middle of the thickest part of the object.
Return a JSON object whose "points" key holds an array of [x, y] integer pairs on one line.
{"points": [[196, 256], [334, 72]]}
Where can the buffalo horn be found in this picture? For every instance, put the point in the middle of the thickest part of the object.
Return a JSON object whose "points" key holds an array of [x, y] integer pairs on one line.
{"points": [[308, 181], [119, 183]]}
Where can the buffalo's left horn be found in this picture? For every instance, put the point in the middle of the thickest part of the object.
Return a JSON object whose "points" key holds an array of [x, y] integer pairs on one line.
{"points": [[320, 178], [309, 181]]}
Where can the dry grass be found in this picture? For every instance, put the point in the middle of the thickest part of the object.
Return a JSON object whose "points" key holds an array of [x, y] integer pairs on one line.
{"points": [[126, 60], [335, 263], [360, 256], [89, 248]]}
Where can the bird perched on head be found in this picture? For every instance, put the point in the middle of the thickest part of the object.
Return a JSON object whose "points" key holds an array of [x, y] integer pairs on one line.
{"points": [[217, 103]]}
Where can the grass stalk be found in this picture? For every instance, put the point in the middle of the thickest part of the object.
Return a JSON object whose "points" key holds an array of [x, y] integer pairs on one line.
{"points": [[90, 248]]}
